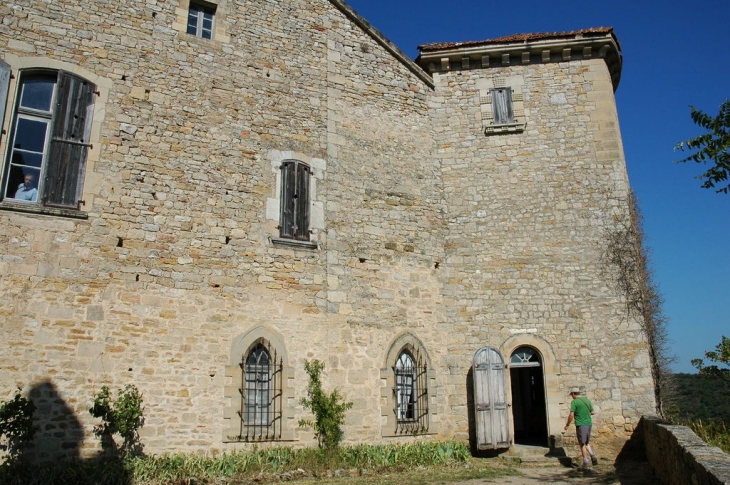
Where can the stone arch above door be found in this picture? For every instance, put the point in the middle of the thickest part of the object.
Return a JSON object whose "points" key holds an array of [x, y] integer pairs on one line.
{"points": [[551, 372]]}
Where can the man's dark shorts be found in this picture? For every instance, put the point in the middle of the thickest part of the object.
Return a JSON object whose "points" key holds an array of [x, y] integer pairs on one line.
{"points": [[584, 434]]}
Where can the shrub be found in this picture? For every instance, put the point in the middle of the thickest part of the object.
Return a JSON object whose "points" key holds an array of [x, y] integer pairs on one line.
{"points": [[328, 409], [16, 424], [123, 415]]}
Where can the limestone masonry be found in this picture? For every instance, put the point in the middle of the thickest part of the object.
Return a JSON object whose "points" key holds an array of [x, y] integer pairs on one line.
{"points": [[225, 189]]}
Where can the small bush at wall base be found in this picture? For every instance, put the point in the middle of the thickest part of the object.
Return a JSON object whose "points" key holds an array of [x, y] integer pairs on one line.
{"points": [[123, 416], [16, 424], [328, 409]]}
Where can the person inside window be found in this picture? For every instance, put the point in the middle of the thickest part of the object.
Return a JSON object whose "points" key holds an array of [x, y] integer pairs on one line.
{"points": [[26, 191]]}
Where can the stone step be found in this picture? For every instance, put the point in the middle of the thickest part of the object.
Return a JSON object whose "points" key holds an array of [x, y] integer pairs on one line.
{"points": [[536, 456]]}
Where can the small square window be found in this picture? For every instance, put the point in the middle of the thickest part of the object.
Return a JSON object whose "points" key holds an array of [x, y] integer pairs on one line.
{"points": [[200, 20]]}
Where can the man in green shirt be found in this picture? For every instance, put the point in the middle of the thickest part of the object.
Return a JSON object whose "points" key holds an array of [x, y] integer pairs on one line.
{"points": [[581, 410]]}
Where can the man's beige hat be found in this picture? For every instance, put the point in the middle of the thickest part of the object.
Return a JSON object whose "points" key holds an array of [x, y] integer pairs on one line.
{"points": [[575, 390]]}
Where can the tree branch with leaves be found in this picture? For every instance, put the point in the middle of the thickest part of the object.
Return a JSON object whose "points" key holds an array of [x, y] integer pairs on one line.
{"points": [[712, 147], [720, 355]]}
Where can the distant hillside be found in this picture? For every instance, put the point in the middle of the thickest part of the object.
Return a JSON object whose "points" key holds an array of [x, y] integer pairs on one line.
{"points": [[698, 397]]}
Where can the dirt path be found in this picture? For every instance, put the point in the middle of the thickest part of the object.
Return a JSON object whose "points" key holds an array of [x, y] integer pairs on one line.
{"points": [[636, 473], [619, 464]]}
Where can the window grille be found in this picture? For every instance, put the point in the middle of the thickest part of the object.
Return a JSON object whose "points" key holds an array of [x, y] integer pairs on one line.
{"points": [[411, 394], [261, 395]]}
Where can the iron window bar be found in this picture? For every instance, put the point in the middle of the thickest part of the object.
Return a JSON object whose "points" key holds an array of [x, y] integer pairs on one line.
{"points": [[261, 396]]}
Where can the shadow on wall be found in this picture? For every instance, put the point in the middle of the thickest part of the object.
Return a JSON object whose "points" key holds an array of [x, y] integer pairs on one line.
{"points": [[57, 446], [59, 433]]}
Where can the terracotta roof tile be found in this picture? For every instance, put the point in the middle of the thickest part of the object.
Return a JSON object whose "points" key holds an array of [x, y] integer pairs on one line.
{"points": [[517, 38]]}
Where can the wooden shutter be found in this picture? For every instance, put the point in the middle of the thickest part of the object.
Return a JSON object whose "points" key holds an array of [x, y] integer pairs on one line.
{"points": [[4, 86], [70, 132], [502, 105], [294, 219], [301, 229], [490, 400], [286, 220]]}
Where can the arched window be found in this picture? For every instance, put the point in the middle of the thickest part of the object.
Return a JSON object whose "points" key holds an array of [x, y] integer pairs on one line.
{"points": [[261, 394], [411, 393], [406, 387], [525, 357]]}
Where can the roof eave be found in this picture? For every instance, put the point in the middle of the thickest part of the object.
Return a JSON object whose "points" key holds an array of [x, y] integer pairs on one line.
{"points": [[525, 52]]}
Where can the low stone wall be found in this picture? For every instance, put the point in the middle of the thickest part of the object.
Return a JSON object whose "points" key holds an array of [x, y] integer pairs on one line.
{"points": [[680, 457]]}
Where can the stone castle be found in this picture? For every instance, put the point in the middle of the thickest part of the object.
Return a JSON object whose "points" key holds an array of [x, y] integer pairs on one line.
{"points": [[199, 196]]}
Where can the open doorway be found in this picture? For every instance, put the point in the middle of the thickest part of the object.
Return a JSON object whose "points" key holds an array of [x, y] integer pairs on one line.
{"points": [[529, 411]]}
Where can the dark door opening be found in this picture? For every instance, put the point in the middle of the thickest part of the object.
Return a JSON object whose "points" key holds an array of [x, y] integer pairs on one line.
{"points": [[529, 410]]}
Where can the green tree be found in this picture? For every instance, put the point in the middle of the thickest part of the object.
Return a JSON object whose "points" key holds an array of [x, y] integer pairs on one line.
{"points": [[713, 146], [16, 424], [721, 355], [328, 409]]}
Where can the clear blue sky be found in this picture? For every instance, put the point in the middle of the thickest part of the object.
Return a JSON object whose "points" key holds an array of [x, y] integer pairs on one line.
{"points": [[676, 54]]}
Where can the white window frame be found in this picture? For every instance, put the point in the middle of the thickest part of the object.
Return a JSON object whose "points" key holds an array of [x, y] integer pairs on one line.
{"points": [[197, 12]]}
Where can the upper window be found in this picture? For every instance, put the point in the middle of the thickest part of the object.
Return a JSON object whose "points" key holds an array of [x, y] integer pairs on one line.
{"points": [[49, 139], [411, 394], [502, 105], [261, 395], [200, 20], [294, 216]]}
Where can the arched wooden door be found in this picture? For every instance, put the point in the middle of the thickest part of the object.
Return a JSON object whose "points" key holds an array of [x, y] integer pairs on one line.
{"points": [[490, 400]]}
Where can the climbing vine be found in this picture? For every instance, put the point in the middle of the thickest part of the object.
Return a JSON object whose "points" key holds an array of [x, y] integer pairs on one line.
{"points": [[626, 258]]}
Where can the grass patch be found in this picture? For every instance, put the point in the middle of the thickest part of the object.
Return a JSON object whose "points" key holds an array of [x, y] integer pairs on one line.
{"points": [[407, 463]]}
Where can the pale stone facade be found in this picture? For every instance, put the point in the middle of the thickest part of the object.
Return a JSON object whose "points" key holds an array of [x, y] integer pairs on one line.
{"points": [[430, 228]]}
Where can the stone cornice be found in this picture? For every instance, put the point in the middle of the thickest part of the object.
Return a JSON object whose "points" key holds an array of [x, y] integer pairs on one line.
{"points": [[525, 50], [383, 41]]}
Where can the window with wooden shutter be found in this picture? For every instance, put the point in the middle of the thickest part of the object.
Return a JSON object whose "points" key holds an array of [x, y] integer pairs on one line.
{"points": [[50, 139], [294, 218], [502, 105]]}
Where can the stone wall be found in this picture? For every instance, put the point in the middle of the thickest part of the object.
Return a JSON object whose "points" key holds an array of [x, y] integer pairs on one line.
{"points": [[526, 224], [426, 231], [678, 456]]}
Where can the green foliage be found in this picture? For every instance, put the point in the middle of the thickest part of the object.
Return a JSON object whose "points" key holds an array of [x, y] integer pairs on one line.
{"points": [[328, 409], [721, 355], [123, 415], [694, 397], [713, 146], [16, 424], [259, 465]]}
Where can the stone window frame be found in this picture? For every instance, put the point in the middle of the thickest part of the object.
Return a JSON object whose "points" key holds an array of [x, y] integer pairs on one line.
{"points": [[487, 87], [391, 425], [89, 180], [241, 346], [220, 23], [318, 168]]}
